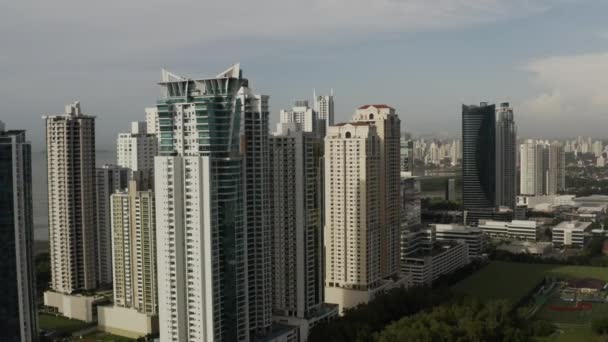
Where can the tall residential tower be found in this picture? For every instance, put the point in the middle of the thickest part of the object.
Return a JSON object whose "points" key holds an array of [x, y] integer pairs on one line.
{"points": [[213, 224], [70, 142], [18, 315]]}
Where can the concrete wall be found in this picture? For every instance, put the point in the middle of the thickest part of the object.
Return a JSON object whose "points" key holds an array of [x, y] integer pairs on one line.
{"points": [[73, 306], [126, 322]]}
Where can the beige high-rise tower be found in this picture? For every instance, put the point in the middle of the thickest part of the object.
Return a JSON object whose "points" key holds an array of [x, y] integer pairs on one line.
{"points": [[352, 214], [362, 224], [388, 128], [70, 140], [134, 250]]}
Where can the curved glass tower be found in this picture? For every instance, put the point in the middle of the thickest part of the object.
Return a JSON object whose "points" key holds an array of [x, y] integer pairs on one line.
{"points": [[478, 160]]}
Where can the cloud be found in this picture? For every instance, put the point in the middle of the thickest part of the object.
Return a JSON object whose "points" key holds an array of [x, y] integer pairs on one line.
{"points": [[570, 86], [105, 29]]}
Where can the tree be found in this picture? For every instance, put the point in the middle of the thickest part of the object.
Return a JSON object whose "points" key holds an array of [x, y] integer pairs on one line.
{"points": [[600, 326]]}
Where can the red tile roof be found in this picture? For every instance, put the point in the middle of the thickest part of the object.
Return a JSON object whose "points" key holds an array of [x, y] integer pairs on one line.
{"points": [[375, 105]]}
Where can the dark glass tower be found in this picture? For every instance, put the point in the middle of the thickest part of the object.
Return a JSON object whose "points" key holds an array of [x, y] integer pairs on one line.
{"points": [[506, 133], [478, 161], [18, 317]]}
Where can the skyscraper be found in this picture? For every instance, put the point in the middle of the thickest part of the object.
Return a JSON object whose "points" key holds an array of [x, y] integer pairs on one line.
{"points": [[388, 128], [134, 249], [70, 141], [352, 214], [556, 173], [297, 228], [324, 110], [542, 168], [506, 153], [213, 141], [18, 316], [257, 198], [532, 169], [110, 178], [478, 161]]}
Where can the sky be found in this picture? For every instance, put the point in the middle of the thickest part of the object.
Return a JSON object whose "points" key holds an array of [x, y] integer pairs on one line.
{"points": [[426, 58]]}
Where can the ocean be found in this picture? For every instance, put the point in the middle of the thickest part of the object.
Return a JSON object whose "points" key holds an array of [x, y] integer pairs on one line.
{"points": [[39, 188]]}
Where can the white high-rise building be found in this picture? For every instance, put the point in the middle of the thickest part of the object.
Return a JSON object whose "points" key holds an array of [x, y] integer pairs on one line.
{"points": [[134, 250], [18, 312], [297, 228], [212, 209], [136, 151], [598, 148], [542, 168], [152, 120], [70, 141], [531, 168], [352, 214], [388, 128], [109, 178], [301, 114], [324, 109]]}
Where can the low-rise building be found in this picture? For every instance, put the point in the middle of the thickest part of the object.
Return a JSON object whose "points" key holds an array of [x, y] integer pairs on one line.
{"points": [[473, 236], [445, 257], [516, 229], [570, 233], [75, 306]]}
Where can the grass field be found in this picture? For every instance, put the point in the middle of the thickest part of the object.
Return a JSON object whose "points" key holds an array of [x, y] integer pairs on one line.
{"points": [[513, 281], [572, 334], [61, 324], [598, 310]]}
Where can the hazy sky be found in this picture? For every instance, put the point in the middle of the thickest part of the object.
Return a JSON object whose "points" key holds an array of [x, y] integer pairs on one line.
{"points": [[424, 57]]}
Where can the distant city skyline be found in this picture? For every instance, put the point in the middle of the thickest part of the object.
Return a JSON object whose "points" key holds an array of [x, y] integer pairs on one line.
{"points": [[435, 56]]}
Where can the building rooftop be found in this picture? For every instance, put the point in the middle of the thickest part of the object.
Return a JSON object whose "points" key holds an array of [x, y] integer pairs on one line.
{"points": [[376, 106], [573, 226], [456, 228], [355, 123], [587, 283]]}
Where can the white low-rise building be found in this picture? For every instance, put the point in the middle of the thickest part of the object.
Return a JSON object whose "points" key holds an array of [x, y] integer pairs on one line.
{"points": [[570, 233], [425, 267], [473, 236], [516, 229]]}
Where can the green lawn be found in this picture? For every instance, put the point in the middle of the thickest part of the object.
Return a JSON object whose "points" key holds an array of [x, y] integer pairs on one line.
{"points": [[572, 334], [512, 281], [61, 324]]}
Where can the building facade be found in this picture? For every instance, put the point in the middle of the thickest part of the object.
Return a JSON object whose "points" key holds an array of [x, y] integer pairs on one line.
{"points": [[302, 114], [352, 213], [136, 151], [109, 178], [506, 156], [70, 141], [208, 130], [134, 249], [388, 128], [478, 161], [324, 111], [542, 168], [18, 316]]}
